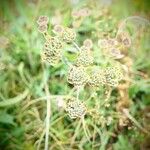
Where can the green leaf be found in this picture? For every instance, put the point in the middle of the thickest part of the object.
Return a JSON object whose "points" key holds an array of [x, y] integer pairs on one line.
{"points": [[6, 118]]}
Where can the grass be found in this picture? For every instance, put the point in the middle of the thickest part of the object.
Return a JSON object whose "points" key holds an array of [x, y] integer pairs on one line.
{"points": [[25, 84]]}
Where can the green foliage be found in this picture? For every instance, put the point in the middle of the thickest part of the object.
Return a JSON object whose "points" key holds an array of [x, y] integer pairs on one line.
{"points": [[22, 82]]}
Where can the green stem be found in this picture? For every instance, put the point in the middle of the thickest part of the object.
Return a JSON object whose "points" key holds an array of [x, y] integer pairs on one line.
{"points": [[14, 100]]}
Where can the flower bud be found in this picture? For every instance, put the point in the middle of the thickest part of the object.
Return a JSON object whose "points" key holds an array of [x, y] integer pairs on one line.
{"points": [[88, 43], [42, 20], [42, 28]]}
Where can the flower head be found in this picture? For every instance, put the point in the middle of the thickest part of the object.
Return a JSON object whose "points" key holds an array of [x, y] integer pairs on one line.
{"points": [[58, 29], [42, 20], [51, 57], [77, 76], [53, 43], [75, 108], [97, 77], [42, 28], [85, 57], [113, 75], [88, 43], [68, 35]]}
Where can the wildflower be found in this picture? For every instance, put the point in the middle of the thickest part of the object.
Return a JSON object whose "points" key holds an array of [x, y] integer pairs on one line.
{"points": [[97, 77], [52, 51], [113, 76], [42, 28], [68, 35], [42, 20], [85, 57], [50, 57], [53, 43], [88, 43], [75, 108], [77, 76]]}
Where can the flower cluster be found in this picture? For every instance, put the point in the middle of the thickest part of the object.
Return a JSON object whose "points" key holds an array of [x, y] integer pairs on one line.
{"points": [[85, 57], [77, 76], [97, 77], [75, 108], [112, 47], [42, 24], [52, 51], [84, 71], [113, 75], [108, 76]]}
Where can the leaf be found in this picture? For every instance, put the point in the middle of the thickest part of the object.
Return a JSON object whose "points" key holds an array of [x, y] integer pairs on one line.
{"points": [[6, 118], [14, 100]]}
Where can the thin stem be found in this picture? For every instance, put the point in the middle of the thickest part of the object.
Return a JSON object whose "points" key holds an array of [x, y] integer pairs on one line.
{"points": [[78, 92], [108, 94], [14, 100], [40, 140], [47, 118], [78, 48], [76, 132], [85, 129], [109, 91]]}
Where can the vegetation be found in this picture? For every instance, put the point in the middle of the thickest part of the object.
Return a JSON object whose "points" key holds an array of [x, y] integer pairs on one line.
{"points": [[74, 75]]}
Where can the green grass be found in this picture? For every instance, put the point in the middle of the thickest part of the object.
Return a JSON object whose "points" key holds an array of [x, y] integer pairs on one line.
{"points": [[22, 82]]}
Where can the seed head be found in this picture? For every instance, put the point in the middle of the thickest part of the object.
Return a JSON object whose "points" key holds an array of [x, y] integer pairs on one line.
{"points": [[52, 57], [113, 75], [97, 77], [53, 43], [77, 76], [75, 108], [42, 20], [88, 43], [85, 58], [58, 29], [68, 35], [42, 28]]}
